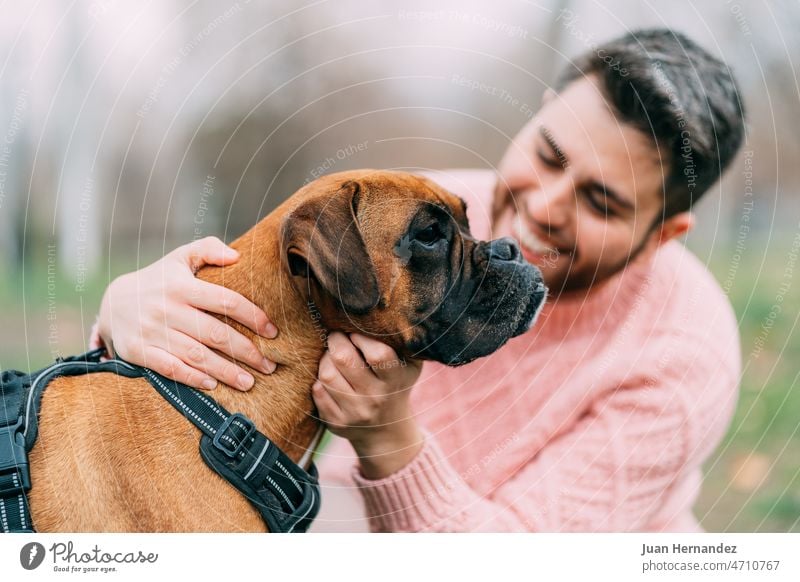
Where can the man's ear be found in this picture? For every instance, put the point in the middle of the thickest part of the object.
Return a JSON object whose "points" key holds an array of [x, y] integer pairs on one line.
{"points": [[674, 227], [321, 239]]}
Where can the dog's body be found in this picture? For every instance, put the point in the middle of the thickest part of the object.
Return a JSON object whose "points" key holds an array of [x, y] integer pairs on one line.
{"points": [[345, 253]]}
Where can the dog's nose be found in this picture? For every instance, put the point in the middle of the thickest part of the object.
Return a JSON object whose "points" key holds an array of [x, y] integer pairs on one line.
{"points": [[504, 249]]}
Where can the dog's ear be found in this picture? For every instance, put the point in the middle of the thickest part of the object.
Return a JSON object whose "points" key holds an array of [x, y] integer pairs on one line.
{"points": [[321, 239]]}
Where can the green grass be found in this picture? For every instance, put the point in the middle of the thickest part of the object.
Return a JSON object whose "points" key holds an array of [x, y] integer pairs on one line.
{"points": [[45, 313], [753, 480]]}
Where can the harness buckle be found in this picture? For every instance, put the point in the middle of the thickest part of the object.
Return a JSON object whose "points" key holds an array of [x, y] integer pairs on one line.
{"points": [[234, 434], [13, 460]]}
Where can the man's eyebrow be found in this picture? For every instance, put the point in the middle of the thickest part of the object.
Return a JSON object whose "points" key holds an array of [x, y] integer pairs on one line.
{"points": [[559, 153], [594, 184], [610, 193]]}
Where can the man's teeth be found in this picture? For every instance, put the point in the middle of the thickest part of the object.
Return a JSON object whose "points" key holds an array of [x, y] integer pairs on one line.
{"points": [[531, 241]]}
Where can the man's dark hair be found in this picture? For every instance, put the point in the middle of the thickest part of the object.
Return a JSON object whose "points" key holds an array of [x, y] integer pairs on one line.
{"points": [[670, 88]]}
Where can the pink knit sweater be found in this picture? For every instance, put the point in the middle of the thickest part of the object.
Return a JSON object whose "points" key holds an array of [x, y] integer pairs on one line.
{"points": [[597, 419]]}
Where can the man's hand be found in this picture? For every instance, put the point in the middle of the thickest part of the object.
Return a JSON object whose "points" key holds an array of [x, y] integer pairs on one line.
{"points": [[157, 317], [363, 395]]}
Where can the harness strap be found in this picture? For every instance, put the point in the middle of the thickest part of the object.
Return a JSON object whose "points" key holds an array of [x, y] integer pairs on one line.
{"points": [[286, 496], [15, 482], [21, 395]]}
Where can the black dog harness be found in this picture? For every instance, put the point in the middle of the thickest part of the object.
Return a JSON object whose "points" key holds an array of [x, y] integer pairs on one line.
{"points": [[286, 496]]}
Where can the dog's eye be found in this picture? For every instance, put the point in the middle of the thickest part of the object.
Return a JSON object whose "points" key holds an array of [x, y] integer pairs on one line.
{"points": [[430, 235]]}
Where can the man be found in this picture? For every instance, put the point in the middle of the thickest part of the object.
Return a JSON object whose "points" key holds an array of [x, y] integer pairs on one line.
{"points": [[600, 416]]}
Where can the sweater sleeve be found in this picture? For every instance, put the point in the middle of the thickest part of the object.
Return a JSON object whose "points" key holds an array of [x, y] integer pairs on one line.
{"points": [[609, 472]]}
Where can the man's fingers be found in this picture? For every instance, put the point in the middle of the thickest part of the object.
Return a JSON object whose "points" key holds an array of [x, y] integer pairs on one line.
{"points": [[207, 251], [333, 380], [201, 358], [348, 361], [216, 298], [224, 301], [328, 408], [212, 332], [168, 365], [380, 358]]}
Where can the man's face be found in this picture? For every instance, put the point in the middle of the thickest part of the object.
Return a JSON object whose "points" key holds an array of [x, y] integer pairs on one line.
{"points": [[579, 190]]}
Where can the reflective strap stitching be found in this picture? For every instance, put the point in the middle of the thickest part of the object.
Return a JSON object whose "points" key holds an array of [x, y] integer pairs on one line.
{"points": [[3, 515], [288, 474], [211, 405], [282, 492], [21, 501], [15, 479], [179, 401]]}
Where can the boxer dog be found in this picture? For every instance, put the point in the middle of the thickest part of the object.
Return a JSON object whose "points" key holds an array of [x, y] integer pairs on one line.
{"points": [[386, 254]]}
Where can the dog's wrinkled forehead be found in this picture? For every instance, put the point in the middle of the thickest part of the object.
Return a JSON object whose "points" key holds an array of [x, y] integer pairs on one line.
{"points": [[401, 197]]}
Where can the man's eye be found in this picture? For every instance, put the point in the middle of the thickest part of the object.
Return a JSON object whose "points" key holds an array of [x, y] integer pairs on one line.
{"points": [[550, 162], [597, 202], [429, 235]]}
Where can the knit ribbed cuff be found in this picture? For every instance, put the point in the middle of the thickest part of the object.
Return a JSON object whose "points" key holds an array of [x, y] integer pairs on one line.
{"points": [[415, 497]]}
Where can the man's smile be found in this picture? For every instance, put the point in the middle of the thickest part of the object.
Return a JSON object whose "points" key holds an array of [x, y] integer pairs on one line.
{"points": [[534, 248]]}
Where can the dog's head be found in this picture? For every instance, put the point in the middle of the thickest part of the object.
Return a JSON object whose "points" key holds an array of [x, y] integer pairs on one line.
{"points": [[390, 255]]}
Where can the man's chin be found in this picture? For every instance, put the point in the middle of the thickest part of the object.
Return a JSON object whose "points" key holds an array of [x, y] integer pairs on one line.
{"points": [[559, 279], [562, 275], [576, 282]]}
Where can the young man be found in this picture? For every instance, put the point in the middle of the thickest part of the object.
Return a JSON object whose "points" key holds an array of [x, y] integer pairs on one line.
{"points": [[600, 416]]}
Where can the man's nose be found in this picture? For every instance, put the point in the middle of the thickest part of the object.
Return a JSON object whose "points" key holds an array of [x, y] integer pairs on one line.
{"points": [[553, 204]]}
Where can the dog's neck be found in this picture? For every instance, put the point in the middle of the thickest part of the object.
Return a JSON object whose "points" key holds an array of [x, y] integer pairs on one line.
{"points": [[280, 403]]}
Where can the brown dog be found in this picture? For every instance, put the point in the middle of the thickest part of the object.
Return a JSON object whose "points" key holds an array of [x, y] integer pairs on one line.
{"points": [[382, 253]]}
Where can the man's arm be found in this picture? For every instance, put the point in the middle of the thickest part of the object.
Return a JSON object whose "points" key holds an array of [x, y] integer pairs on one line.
{"points": [[611, 472]]}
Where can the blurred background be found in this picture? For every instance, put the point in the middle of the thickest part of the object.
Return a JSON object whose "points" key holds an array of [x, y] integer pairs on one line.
{"points": [[129, 128]]}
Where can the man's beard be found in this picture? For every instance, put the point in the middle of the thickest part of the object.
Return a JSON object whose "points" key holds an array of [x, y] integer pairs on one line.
{"points": [[577, 282]]}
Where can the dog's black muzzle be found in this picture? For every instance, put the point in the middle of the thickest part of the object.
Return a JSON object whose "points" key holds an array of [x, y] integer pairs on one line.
{"points": [[497, 298]]}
